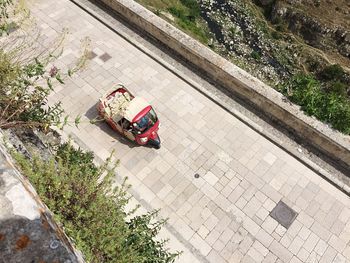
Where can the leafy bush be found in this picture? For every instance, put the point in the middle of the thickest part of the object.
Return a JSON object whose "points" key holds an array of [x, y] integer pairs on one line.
{"points": [[337, 87], [22, 98], [192, 6], [276, 35], [334, 80], [188, 14], [256, 55], [79, 193], [92, 211], [332, 72], [234, 32], [28, 76], [331, 107], [5, 9]]}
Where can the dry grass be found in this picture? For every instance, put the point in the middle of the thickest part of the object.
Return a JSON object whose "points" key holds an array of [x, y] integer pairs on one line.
{"points": [[329, 12]]}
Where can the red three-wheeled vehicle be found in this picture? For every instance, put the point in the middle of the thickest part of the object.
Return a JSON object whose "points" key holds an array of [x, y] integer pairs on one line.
{"points": [[131, 116]]}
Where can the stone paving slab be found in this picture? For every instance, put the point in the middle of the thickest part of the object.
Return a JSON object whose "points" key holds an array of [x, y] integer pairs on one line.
{"points": [[222, 216]]}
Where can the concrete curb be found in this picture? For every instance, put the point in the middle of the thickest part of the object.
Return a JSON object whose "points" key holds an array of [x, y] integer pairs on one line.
{"points": [[332, 144], [292, 151]]}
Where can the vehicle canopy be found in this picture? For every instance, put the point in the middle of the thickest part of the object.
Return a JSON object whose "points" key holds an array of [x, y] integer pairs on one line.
{"points": [[123, 105], [136, 105]]}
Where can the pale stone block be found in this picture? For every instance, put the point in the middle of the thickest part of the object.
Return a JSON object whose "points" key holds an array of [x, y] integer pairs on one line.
{"points": [[269, 225], [311, 242], [304, 233], [200, 244], [280, 251], [321, 247], [337, 243], [303, 254], [260, 248], [264, 237], [296, 244]]}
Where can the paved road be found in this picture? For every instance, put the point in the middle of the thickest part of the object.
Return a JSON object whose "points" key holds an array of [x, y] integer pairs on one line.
{"points": [[224, 215]]}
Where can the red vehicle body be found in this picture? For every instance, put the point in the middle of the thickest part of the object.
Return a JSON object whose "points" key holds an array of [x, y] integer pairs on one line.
{"points": [[131, 116]]}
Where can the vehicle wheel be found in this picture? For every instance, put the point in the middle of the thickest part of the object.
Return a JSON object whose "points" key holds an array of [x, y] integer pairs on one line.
{"points": [[155, 143], [157, 146]]}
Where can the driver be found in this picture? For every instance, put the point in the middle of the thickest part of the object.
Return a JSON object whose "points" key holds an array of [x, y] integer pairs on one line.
{"points": [[141, 125]]}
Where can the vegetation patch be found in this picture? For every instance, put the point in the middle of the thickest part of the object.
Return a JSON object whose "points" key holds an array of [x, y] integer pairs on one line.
{"points": [[330, 107], [256, 37], [256, 55], [82, 196], [91, 208], [185, 14]]}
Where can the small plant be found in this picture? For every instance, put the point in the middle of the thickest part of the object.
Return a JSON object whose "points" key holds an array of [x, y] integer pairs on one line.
{"points": [[187, 14], [234, 32], [276, 35], [331, 107], [23, 96], [317, 3], [28, 76], [192, 6], [5, 10], [82, 197], [337, 87], [313, 64], [256, 55], [332, 72], [281, 27], [267, 8]]}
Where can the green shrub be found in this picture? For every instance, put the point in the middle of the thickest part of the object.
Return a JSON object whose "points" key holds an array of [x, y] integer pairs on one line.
{"points": [[281, 27], [187, 20], [26, 81], [312, 64], [188, 12], [276, 35], [6, 6], [234, 32], [177, 12], [256, 55], [21, 96], [332, 72], [92, 211], [337, 87], [331, 107], [192, 6]]}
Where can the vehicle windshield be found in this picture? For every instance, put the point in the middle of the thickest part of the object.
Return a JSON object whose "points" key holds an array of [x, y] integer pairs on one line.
{"points": [[146, 122]]}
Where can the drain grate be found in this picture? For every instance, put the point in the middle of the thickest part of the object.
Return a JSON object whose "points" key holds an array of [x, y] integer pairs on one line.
{"points": [[105, 57], [283, 214]]}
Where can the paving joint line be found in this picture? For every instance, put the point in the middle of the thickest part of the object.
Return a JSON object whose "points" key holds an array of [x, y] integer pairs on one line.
{"points": [[144, 203], [308, 163]]}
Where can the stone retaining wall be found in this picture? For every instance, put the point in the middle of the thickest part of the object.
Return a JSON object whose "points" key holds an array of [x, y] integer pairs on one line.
{"points": [[334, 145], [28, 232]]}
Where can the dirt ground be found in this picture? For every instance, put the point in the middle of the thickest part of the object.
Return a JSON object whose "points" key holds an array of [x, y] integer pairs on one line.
{"points": [[329, 12]]}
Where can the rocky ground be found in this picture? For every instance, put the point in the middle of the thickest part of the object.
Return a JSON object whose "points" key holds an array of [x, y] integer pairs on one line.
{"points": [[271, 39], [323, 24], [275, 39], [244, 38]]}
